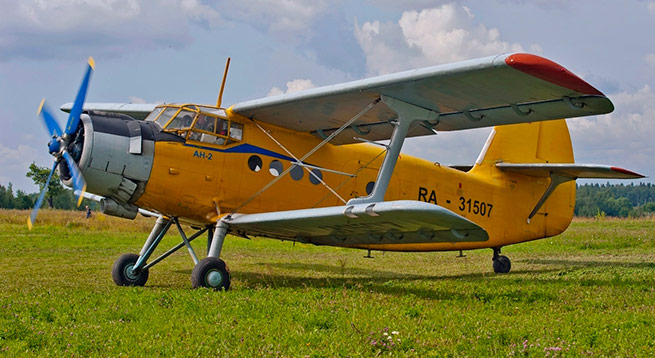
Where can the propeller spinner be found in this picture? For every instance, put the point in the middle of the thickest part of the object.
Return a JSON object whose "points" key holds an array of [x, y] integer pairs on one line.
{"points": [[61, 143]]}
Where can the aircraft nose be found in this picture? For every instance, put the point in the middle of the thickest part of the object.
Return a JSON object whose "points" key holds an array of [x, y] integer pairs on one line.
{"points": [[116, 157], [54, 146]]}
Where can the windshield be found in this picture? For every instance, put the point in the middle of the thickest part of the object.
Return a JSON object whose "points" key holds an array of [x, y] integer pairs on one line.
{"points": [[197, 123]]}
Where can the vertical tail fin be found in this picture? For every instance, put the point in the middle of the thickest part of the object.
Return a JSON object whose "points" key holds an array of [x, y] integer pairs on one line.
{"points": [[537, 142]]}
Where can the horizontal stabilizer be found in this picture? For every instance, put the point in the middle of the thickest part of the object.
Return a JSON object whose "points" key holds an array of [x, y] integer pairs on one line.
{"points": [[569, 170], [134, 110], [403, 221]]}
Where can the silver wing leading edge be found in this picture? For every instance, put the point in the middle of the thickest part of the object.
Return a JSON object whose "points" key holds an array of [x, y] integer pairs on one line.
{"points": [[398, 222], [504, 89]]}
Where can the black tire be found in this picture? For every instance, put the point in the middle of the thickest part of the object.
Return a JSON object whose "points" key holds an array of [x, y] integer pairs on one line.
{"points": [[121, 271], [211, 272], [502, 264]]}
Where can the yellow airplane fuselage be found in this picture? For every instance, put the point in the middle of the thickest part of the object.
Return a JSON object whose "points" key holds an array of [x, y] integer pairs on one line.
{"points": [[200, 182]]}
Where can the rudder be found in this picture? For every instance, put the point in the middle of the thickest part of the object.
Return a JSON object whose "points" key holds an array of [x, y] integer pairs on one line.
{"points": [[536, 142]]}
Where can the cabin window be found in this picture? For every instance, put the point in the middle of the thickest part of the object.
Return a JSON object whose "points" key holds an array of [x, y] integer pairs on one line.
{"points": [[296, 172], [316, 177], [255, 163], [276, 168]]}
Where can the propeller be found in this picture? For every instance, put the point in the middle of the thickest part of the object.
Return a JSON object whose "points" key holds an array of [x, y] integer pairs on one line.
{"points": [[59, 142]]}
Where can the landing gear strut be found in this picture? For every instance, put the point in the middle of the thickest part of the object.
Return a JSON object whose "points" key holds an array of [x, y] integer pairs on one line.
{"points": [[211, 272], [502, 264]]}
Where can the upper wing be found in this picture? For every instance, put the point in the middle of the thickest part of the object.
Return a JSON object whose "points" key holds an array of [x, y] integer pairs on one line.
{"points": [[485, 92], [575, 171], [403, 221], [134, 110]]}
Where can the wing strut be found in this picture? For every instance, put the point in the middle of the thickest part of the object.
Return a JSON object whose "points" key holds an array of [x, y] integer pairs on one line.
{"points": [[407, 114], [555, 181], [560, 173], [301, 160]]}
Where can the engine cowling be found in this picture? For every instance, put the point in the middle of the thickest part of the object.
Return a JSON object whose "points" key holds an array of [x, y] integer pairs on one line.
{"points": [[114, 153]]}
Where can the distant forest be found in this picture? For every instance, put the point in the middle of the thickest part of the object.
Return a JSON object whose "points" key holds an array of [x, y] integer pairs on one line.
{"points": [[592, 200], [615, 200], [21, 200]]}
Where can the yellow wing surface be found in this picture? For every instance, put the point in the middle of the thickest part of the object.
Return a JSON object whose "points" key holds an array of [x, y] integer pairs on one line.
{"points": [[504, 89]]}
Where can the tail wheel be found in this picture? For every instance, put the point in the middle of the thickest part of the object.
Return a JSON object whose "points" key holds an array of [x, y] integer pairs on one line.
{"points": [[502, 264], [211, 272], [123, 274]]}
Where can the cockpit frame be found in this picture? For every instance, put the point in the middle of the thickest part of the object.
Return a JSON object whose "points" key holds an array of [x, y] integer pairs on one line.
{"points": [[200, 123]]}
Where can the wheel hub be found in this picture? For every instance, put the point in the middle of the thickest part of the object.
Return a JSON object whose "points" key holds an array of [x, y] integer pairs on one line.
{"points": [[214, 278], [130, 274]]}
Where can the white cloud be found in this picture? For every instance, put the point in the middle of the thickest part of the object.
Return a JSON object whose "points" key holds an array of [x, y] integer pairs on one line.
{"points": [[622, 138], [445, 34], [650, 59], [71, 28], [134, 99], [281, 17], [651, 7], [292, 86]]}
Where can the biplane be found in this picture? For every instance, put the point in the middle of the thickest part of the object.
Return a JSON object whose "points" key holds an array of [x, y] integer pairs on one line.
{"points": [[323, 166]]}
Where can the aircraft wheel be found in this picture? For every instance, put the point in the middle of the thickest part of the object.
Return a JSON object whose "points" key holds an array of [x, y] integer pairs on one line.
{"points": [[502, 264], [211, 272], [122, 272]]}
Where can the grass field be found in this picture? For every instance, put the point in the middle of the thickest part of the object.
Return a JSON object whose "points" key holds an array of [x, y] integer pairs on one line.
{"points": [[588, 292]]}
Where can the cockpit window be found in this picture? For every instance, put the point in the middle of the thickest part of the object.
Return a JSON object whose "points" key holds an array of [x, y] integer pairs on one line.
{"points": [[166, 116], [153, 115], [236, 131], [198, 123], [183, 120]]}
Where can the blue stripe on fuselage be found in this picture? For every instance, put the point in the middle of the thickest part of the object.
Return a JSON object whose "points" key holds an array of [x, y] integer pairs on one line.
{"points": [[244, 148]]}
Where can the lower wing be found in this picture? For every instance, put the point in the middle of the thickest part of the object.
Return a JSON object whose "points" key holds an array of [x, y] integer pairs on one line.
{"points": [[402, 221]]}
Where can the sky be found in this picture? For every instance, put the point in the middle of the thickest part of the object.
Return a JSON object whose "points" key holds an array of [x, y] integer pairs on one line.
{"points": [[175, 50]]}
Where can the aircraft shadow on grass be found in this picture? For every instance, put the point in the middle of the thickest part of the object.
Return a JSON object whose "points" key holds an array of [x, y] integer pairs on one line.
{"points": [[392, 283]]}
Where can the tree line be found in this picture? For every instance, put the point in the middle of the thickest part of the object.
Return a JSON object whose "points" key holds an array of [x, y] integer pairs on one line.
{"points": [[56, 195], [616, 200]]}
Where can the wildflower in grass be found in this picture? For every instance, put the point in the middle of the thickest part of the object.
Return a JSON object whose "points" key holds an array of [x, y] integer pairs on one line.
{"points": [[383, 340], [554, 349]]}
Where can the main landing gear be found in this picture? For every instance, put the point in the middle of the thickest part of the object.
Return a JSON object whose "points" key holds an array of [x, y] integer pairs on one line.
{"points": [[502, 264], [210, 272]]}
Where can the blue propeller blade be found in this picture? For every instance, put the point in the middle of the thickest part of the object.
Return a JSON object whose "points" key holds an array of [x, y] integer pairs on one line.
{"points": [[78, 180], [35, 211], [49, 119], [74, 117]]}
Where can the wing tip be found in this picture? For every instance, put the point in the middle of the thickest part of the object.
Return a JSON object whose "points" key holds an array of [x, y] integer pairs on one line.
{"points": [[627, 172], [550, 71], [29, 223]]}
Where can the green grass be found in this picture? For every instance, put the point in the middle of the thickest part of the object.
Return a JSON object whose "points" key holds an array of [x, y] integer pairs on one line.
{"points": [[588, 292]]}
